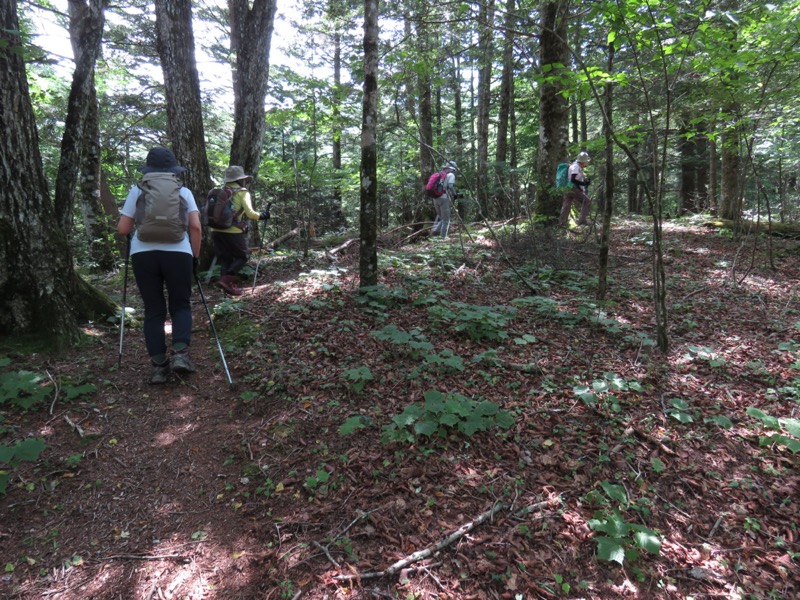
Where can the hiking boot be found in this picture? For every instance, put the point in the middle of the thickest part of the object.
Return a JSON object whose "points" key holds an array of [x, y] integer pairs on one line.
{"points": [[228, 284], [160, 374], [181, 363]]}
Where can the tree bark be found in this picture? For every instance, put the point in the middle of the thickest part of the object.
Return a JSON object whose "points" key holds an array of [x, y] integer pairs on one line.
{"points": [[97, 222], [251, 37], [608, 192], [40, 293], [485, 52], [553, 108], [175, 44], [86, 33], [503, 198], [368, 251]]}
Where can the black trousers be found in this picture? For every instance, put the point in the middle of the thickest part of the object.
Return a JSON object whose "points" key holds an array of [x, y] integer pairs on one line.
{"points": [[232, 251]]}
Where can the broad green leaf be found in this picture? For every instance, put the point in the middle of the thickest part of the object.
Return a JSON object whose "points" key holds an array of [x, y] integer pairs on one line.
{"points": [[720, 420], [351, 425], [648, 540], [610, 550], [615, 492]]}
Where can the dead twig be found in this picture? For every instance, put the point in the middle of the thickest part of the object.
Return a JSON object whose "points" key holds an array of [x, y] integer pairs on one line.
{"points": [[77, 428], [443, 543]]}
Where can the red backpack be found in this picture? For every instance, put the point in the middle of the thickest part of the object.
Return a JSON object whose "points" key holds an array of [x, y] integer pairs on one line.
{"points": [[435, 185]]}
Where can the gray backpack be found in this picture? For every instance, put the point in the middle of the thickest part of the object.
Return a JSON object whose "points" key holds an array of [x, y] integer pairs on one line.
{"points": [[160, 210]]}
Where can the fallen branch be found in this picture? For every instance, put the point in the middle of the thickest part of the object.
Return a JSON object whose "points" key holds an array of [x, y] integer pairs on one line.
{"points": [[275, 243], [77, 428], [443, 543]]}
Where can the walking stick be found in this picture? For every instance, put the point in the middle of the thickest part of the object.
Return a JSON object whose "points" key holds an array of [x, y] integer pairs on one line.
{"points": [[124, 300], [260, 248], [213, 330]]}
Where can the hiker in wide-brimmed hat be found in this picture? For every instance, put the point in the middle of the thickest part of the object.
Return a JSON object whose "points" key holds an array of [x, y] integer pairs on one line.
{"points": [[230, 243]]}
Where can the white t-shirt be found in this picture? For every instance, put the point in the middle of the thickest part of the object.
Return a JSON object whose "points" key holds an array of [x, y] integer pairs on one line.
{"points": [[449, 183], [575, 169], [129, 210]]}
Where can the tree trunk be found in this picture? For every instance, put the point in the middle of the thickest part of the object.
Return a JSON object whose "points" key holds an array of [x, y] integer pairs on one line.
{"points": [[485, 52], [175, 43], [251, 37], [730, 202], [97, 222], [503, 197], [337, 215], [40, 294], [86, 33], [608, 192], [427, 157], [553, 108], [692, 148], [410, 112], [368, 251]]}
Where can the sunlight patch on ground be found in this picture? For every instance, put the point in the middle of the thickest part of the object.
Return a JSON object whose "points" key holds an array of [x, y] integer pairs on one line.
{"points": [[171, 436]]}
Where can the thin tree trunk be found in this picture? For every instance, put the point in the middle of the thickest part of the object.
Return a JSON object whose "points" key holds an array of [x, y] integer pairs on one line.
{"points": [[485, 52], [368, 252], [503, 115], [608, 193]]}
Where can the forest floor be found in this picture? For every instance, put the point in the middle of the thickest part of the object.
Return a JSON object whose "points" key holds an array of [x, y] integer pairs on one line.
{"points": [[449, 434]]}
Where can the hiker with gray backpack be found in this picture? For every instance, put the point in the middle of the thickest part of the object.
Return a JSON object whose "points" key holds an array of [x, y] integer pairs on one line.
{"points": [[162, 222]]}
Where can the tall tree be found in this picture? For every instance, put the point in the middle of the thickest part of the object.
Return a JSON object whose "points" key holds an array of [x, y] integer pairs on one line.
{"points": [[368, 255], [485, 59], [40, 293], [504, 202], [86, 21], [553, 106], [251, 38], [175, 44]]}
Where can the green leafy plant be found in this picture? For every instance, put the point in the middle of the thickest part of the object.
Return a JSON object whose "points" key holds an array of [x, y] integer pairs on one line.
{"points": [[679, 411], [477, 322], [713, 358], [381, 296], [26, 450], [440, 415], [358, 377], [787, 430], [621, 540], [603, 390], [23, 389]]}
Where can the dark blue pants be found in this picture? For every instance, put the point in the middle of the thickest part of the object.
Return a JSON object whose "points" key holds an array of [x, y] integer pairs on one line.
{"points": [[231, 250], [153, 270]]}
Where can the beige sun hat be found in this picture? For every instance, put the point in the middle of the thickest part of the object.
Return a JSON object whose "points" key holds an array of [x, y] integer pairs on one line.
{"points": [[235, 173]]}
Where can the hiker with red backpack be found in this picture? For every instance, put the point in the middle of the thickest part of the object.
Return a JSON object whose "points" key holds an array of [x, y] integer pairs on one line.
{"points": [[443, 192], [577, 191], [230, 243], [164, 251]]}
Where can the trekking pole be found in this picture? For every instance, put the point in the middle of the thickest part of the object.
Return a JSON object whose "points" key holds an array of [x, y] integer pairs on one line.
{"points": [[260, 249], [213, 330], [124, 299]]}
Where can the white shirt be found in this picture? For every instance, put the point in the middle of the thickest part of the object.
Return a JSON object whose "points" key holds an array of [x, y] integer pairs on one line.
{"points": [[575, 169]]}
